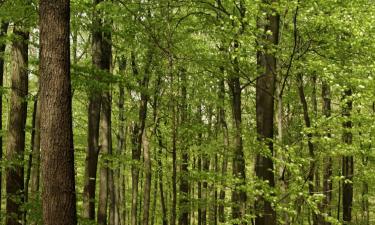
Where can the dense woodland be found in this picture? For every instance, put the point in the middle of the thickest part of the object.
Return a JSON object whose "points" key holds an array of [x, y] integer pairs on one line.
{"points": [[188, 112]]}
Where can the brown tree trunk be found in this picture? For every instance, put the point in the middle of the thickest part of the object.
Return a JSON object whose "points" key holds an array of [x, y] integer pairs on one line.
{"points": [[310, 145], [3, 33], [33, 169], [239, 197], [94, 106], [147, 183], [184, 182], [58, 193], [17, 123], [347, 161], [121, 147], [105, 134], [224, 127], [265, 89], [138, 130], [327, 162]]}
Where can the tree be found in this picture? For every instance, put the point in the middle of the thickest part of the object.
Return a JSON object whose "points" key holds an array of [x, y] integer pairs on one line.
{"points": [[58, 192], [17, 123], [265, 88]]}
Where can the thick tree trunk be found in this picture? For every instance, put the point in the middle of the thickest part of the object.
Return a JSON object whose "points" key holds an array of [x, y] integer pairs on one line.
{"points": [[94, 106], [58, 193], [347, 161], [16, 131], [327, 162], [265, 89], [3, 33]]}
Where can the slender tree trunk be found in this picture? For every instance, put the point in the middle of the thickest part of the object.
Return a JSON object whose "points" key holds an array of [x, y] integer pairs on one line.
{"points": [[138, 130], [58, 193], [239, 197], [265, 89], [147, 183], [306, 118], [184, 182], [3, 33], [121, 146], [94, 106], [33, 171], [347, 161], [105, 135], [17, 123], [327, 174], [224, 128]]}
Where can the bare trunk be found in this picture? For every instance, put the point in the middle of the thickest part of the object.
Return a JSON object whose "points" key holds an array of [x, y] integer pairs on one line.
{"points": [[265, 89], [58, 193], [16, 131], [33, 169], [121, 148], [327, 162], [147, 183], [184, 182], [306, 118], [3, 33], [347, 161], [94, 105]]}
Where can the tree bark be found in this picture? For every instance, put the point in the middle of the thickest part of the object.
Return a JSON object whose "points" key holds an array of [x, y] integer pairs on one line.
{"points": [[184, 182], [121, 147], [3, 33], [33, 169], [58, 193], [94, 106], [224, 127], [328, 163], [147, 182], [16, 130], [105, 134], [265, 89], [306, 117], [347, 160], [239, 197]]}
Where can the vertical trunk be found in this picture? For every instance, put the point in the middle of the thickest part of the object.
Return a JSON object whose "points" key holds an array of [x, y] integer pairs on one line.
{"points": [[184, 182], [224, 127], [306, 118], [347, 160], [105, 133], [147, 183], [3, 33], [158, 156], [121, 147], [327, 174], [265, 88], [238, 165], [58, 194], [138, 129], [17, 123], [34, 157], [94, 105]]}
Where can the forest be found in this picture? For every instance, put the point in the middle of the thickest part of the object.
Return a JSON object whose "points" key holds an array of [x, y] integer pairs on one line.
{"points": [[187, 112]]}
